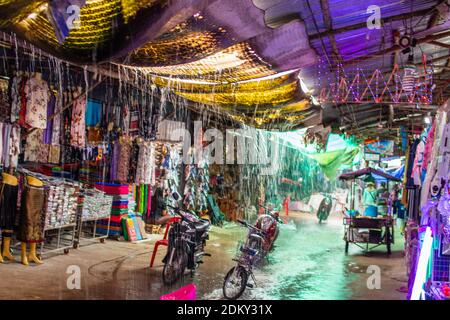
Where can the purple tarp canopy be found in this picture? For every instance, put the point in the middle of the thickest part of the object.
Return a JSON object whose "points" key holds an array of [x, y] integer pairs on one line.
{"points": [[367, 171]]}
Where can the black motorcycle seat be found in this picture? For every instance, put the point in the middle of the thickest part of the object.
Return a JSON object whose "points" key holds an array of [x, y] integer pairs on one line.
{"points": [[201, 225]]}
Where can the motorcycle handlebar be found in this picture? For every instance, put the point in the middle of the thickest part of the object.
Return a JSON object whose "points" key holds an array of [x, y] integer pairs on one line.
{"points": [[249, 226], [177, 210], [242, 222]]}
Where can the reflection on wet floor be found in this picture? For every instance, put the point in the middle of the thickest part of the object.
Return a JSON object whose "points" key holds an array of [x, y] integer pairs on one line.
{"points": [[308, 263]]}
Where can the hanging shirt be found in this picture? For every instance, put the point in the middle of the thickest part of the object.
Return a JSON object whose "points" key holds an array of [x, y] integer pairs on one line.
{"points": [[146, 164], [78, 127], [93, 113], [37, 95], [15, 98], [14, 147], [429, 147], [417, 167], [35, 149], [49, 129], [124, 161], [56, 128]]}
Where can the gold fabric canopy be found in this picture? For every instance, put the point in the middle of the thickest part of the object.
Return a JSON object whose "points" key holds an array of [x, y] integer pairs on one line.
{"points": [[215, 53]]}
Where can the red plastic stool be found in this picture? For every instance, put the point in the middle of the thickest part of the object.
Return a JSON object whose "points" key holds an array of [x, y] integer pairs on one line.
{"points": [[164, 241]]}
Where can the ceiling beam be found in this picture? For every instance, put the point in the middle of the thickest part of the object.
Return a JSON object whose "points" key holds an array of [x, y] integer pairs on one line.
{"points": [[395, 48], [440, 44], [361, 25], [329, 25]]}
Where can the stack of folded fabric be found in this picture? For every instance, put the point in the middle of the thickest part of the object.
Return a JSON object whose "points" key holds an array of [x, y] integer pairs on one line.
{"points": [[60, 173], [90, 174], [95, 204], [62, 202], [120, 208], [54, 205]]}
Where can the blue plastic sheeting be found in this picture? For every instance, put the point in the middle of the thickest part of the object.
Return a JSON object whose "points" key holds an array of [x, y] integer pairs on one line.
{"points": [[397, 173]]}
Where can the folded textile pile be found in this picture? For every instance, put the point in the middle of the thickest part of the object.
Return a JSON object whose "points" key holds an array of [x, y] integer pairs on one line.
{"points": [[90, 175], [122, 204], [61, 207], [95, 204]]}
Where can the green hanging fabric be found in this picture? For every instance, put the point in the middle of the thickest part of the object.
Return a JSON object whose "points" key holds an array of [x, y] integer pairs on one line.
{"points": [[330, 162], [144, 207], [141, 197]]}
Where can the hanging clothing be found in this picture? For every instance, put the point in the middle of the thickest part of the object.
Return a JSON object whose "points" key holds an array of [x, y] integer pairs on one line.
{"points": [[93, 113], [37, 99], [16, 97], [146, 164], [7, 142], [124, 161], [78, 127], [114, 161], [23, 103], [35, 149], [48, 132], [133, 161], [5, 107], [10, 145], [14, 147], [56, 128], [417, 166], [410, 166], [54, 154], [429, 147]]}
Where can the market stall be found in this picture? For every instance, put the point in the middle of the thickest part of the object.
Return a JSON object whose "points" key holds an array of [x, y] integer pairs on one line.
{"points": [[362, 230]]}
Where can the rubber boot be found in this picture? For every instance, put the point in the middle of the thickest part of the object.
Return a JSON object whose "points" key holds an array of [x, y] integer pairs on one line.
{"points": [[32, 255], [24, 254], [6, 249]]}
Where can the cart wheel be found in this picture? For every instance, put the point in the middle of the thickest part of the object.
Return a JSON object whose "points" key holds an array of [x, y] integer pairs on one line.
{"points": [[102, 240], [66, 251], [75, 245], [346, 247]]}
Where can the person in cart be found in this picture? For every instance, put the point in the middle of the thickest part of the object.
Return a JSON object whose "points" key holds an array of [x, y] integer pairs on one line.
{"points": [[370, 200]]}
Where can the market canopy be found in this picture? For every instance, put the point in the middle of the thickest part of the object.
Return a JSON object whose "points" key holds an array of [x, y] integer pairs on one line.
{"points": [[367, 172], [219, 53]]}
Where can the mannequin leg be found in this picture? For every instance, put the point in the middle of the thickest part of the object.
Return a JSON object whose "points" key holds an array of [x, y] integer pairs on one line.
{"points": [[1, 258], [24, 253], [32, 255], [6, 249]]}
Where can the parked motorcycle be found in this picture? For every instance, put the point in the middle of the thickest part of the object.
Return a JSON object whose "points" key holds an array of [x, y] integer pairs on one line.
{"points": [[325, 208], [259, 242], [187, 241], [268, 222], [249, 254]]}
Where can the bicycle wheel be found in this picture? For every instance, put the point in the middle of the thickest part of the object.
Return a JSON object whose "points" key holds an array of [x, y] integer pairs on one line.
{"points": [[235, 283], [173, 271]]}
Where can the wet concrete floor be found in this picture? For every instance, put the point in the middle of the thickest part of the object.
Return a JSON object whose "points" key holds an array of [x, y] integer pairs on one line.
{"points": [[309, 262]]}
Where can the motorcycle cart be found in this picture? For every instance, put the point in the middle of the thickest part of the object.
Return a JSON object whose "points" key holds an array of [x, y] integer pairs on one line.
{"points": [[366, 231]]}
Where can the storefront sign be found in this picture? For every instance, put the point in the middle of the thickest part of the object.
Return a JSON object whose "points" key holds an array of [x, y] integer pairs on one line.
{"points": [[385, 147], [372, 157]]}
